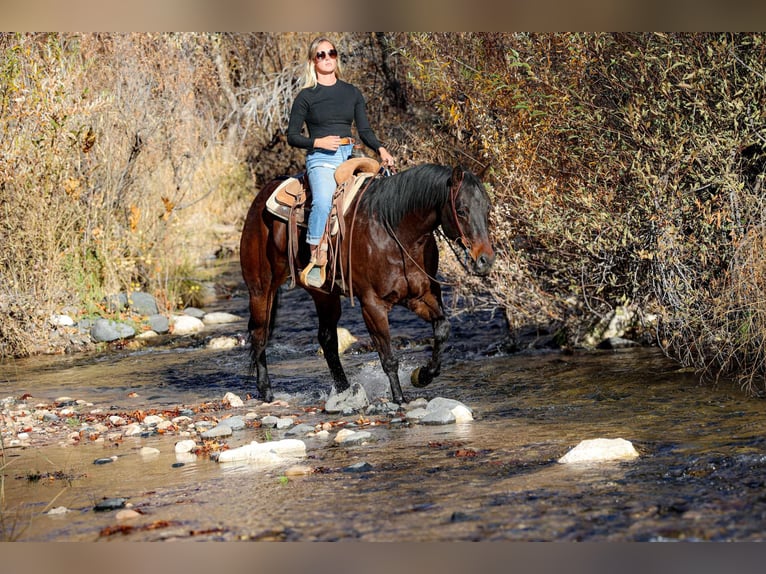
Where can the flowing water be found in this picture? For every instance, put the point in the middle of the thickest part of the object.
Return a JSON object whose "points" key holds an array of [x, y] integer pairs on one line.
{"points": [[700, 475]]}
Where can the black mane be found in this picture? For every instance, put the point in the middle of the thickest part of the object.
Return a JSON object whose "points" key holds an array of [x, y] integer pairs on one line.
{"points": [[420, 188]]}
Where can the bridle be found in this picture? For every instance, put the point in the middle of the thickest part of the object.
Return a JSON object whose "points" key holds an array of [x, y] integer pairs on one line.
{"points": [[454, 190], [452, 197]]}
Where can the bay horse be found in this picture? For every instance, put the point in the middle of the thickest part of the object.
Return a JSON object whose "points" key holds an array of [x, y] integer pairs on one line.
{"points": [[391, 257]]}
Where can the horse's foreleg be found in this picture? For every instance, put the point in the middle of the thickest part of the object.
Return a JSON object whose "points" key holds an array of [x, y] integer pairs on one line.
{"points": [[376, 318], [430, 309], [328, 311]]}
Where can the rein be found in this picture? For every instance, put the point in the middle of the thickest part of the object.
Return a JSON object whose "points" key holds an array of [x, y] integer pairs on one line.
{"points": [[381, 171], [463, 239]]}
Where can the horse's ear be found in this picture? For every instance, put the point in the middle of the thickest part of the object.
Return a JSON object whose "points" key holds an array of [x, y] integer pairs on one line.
{"points": [[483, 171], [457, 175]]}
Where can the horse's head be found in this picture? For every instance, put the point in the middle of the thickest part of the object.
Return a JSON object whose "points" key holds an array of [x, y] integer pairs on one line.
{"points": [[466, 219]]}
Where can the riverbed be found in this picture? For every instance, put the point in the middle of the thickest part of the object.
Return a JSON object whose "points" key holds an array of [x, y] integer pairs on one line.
{"points": [[699, 476]]}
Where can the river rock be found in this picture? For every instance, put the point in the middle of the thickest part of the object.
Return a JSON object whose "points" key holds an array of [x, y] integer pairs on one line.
{"points": [[599, 450], [354, 398], [61, 320], [440, 411], [148, 451], [218, 318], [302, 429], [218, 431], [186, 325], [222, 343], [233, 400], [159, 323], [266, 453], [461, 412], [184, 446], [348, 437], [345, 340], [142, 303], [234, 423], [106, 330], [194, 312]]}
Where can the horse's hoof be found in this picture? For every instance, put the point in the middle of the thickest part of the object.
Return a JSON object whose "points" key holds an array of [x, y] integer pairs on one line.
{"points": [[417, 381]]}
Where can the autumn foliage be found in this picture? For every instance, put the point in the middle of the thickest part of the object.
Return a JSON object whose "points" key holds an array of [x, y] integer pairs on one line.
{"points": [[626, 169]]}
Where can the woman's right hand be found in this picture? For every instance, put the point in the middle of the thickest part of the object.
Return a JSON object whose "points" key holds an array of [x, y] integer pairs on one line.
{"points": [[331, 143]]}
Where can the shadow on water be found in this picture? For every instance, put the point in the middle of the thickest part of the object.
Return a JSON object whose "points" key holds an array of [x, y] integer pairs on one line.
{"points": [[700, 475]]}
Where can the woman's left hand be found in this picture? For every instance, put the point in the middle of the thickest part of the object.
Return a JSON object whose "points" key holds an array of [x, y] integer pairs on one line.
{"points": [[386, 158]]}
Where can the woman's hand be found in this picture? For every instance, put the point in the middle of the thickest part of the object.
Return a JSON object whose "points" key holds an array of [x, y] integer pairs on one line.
{"points": [[386, 158], [331, 143]]}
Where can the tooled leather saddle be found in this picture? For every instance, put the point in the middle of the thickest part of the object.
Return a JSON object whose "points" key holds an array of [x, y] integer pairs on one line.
{"points": [[291, 202]]}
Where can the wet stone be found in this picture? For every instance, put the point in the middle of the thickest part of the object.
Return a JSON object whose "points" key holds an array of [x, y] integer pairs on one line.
{"points": [[110, 504], [359, 467], [234, 423], [216, 432]]}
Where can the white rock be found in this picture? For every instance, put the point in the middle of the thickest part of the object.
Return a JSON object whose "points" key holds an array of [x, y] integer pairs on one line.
{"points": [[266, 453], [233, 400], [354, 398], [147, 451], [186, 324], [345, 340], [222, 343], [462, 414], [147, 335], [600, 449], [186, 457], [152, 420], [185, 446], [61, 320], [219, 318], [58, 510], [133, 429]]}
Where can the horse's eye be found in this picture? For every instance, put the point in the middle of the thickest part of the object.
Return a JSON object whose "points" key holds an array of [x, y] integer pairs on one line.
{"points": [[462, 212]]}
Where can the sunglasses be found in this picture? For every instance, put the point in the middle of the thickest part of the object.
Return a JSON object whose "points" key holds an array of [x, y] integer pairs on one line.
{"points": [[322, 55]]}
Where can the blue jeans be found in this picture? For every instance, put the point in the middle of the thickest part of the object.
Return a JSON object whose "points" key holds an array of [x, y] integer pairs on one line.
{"points": [[320, 167]]}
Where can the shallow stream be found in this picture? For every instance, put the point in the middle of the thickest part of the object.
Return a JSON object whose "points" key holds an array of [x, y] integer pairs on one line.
{"points": [[701, 474]]}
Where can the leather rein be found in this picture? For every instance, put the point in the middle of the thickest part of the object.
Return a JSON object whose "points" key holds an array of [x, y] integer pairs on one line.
{"points": [[463, 239]]}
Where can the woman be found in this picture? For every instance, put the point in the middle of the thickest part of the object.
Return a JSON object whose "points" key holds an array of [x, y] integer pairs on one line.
{"points": [[327, 106]]}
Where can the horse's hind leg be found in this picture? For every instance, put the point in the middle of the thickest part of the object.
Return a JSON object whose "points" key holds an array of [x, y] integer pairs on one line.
{"points": [[262, 310], [329, 311]]}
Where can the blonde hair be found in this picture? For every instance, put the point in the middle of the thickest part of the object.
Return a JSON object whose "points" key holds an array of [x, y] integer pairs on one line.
{"points": [[309, 70]]}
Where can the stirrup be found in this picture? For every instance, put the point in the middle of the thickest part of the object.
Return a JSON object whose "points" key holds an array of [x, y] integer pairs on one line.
{"points": [[310, 279]]}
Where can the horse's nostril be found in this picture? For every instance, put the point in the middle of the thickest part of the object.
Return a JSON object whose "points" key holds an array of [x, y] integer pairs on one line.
{"points": [[483, 264]]}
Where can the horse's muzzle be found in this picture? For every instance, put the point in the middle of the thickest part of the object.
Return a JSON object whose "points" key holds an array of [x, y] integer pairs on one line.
{"points": [[481, 262]]}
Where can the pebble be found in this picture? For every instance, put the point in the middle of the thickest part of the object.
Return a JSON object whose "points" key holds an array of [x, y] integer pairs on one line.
{"points": [[147, 451], [127, 514]]}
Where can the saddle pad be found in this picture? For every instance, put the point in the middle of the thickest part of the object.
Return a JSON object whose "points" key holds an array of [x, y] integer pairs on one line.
{"points": [[291, 190], [287, 194]]}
